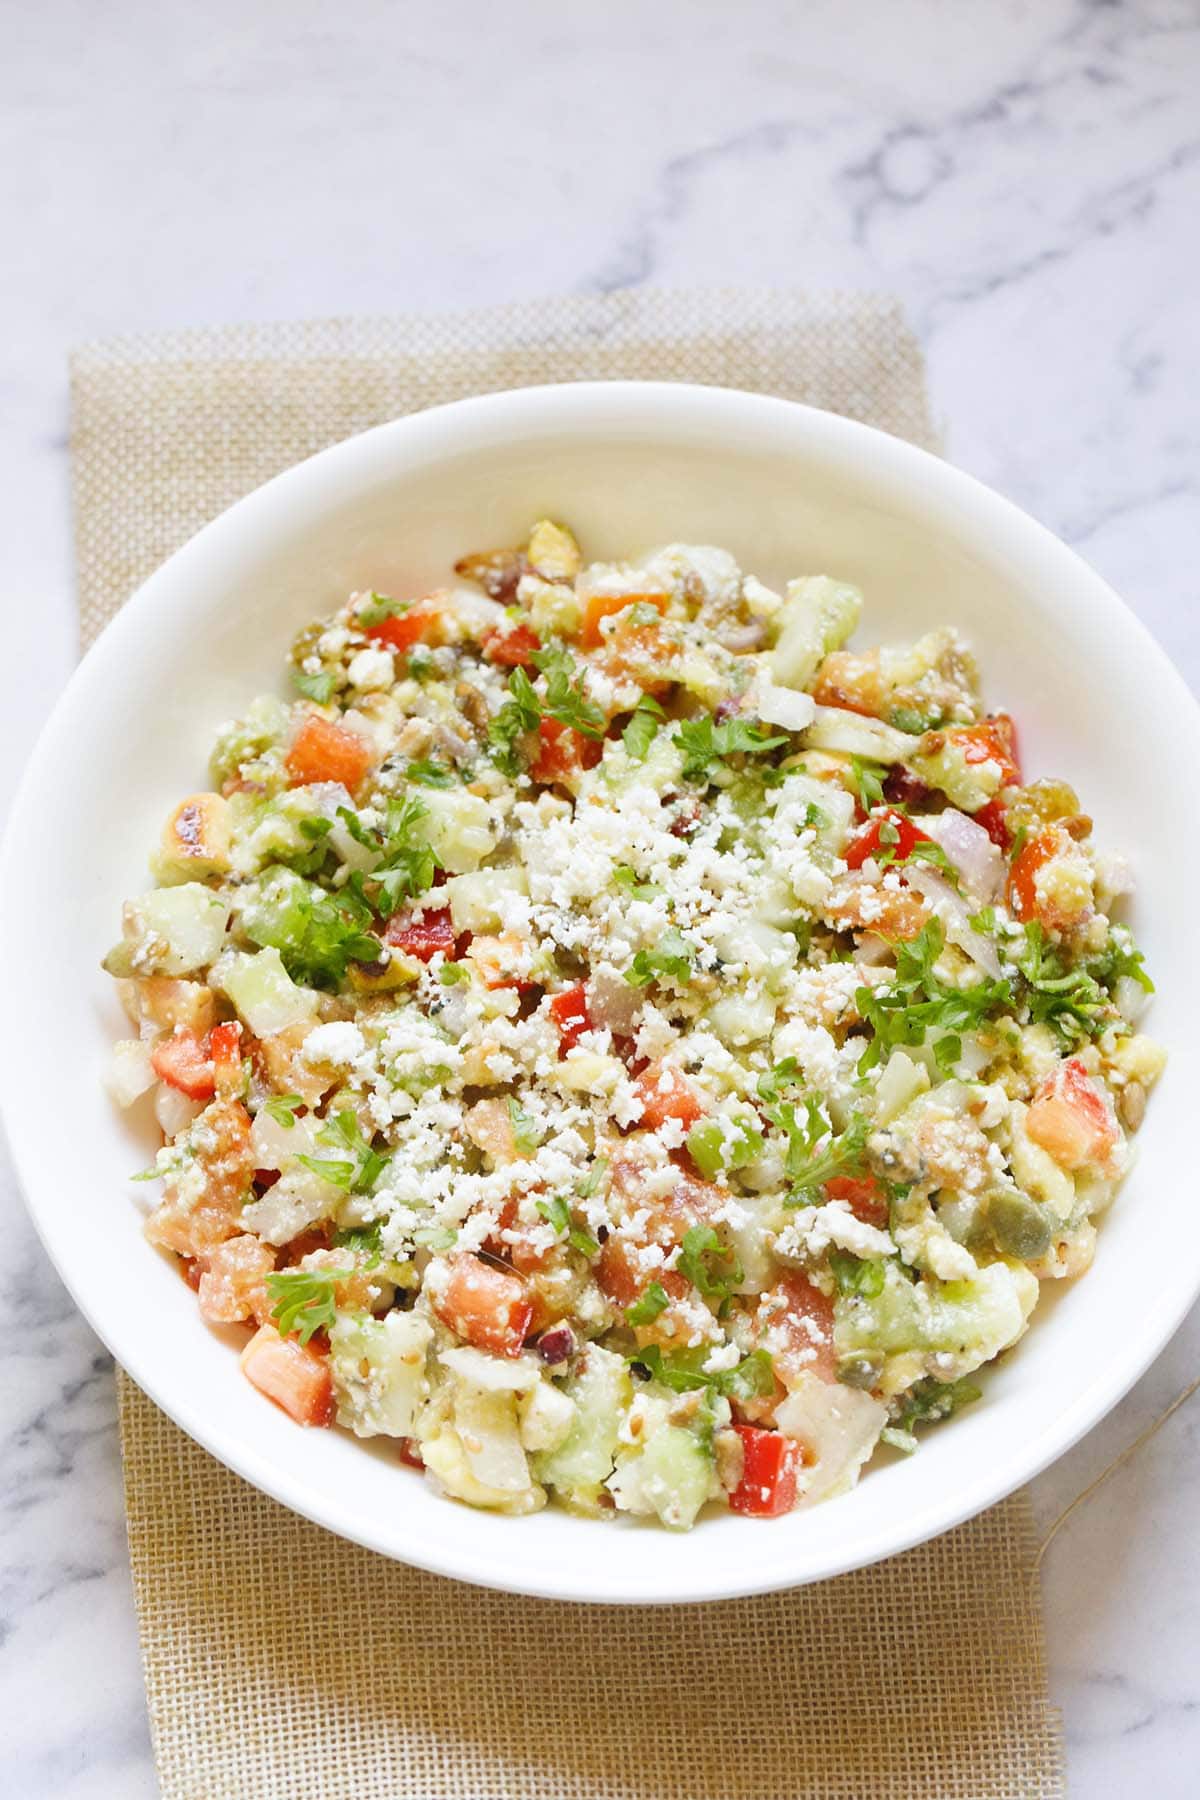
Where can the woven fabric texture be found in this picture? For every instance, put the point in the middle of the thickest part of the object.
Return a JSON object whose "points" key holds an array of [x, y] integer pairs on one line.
{"points": [[281, 1662]]}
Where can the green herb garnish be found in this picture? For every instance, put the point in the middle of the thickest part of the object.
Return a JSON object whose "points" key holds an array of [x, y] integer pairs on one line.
{"points": [[558, 1214], [304, 1300], [320, 688], [670, 961], [648, 1305], [706, 745], [283, 1108], [642, 728]]}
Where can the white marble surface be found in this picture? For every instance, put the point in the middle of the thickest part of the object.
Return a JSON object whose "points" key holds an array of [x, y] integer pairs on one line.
{"points": [[1025, 174]]}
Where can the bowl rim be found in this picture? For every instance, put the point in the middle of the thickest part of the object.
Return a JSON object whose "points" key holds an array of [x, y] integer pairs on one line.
{"points": [[469, 426]]}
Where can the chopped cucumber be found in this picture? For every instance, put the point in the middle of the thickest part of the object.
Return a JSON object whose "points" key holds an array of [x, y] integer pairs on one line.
{"points": [[817, 616], [582, 1463], [264, 993], [379, 1372], [171, 931]]}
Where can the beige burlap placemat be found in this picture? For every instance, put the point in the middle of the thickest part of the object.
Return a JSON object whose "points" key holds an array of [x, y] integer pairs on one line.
{"points": [[283, 1664]]}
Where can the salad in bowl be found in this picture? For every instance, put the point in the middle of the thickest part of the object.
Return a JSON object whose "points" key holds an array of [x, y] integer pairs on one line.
{"points": [[621, 1044]]}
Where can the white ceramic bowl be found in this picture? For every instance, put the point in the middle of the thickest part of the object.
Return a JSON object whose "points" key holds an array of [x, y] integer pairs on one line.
{"points": [[788, 490]]}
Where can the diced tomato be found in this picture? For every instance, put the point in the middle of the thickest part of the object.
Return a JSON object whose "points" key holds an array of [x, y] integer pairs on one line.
{"points": [[563, 753], [768, 1484], [994, 739], [799, 1319], [409, 1451], [602, 606], [295, 1376], [870, 840], [1070, 1118], [422, 935], [182, 1061], [862, 1194], [322, 751], [234, 1285], [1022, 877], [569, 1010], [992, 818], [666, 1093], [400, 631], [487, 1306], [512, 649], [225, 1047]]}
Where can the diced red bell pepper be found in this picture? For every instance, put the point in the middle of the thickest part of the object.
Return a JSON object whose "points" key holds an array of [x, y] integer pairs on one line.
{"points": [[295, 1376], [563, 753], [512, 649], [569, 1010], [323, 751], [666, 1093], [1022, 877], [992, 818], [602, 606], [768, 1484], [183, 1062], [869, 840], [422, 936], [487, 1306], [994, 739], [400, 631], [862, 1194]]}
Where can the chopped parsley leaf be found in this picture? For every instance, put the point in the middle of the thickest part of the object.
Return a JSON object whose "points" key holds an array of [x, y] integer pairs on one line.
{"points": [[282, 1108], [670, 961], [526, 1135], [701, 1258], [557, 1213], [868, 780], [320, 688], [642, 728], [706, 745], [304, 1300], [648, 1305]]}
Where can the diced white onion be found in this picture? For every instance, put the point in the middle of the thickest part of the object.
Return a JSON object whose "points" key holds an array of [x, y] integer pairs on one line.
{"points": [[978, 860], [130, 1072], [173, 1110], [955, 918]]}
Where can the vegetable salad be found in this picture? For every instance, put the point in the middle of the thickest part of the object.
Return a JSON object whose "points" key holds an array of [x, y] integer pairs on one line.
{"points": [[620, 1043]]}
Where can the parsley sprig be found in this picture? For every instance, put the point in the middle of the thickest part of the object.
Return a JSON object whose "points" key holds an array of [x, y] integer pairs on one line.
{"points": [[405, 863], [670, 960], [642, 728], [648, 1305], [868, 778], [358, 1168], [919, 1001], [565, 699], [318, 934], [706, 745], [304, 1300], [749, 1379], [815, 1154]]}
